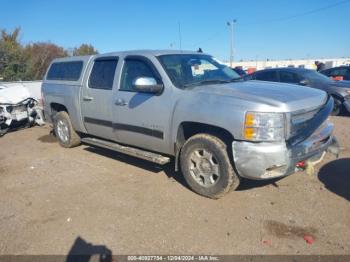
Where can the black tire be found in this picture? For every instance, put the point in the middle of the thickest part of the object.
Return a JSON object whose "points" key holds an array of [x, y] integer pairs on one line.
{"points": [[71, 138], [216, 159], [338, 105], [3, 130]]}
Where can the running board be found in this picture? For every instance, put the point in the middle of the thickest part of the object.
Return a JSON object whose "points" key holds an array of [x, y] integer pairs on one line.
{"points": [[139, 153]]}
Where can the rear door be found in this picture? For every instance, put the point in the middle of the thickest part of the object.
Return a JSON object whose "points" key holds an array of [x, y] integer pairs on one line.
{"points": [[97, 97]]}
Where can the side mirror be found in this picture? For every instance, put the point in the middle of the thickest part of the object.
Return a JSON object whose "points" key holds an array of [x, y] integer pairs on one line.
{"points": [[147, 85], [304, 82]]}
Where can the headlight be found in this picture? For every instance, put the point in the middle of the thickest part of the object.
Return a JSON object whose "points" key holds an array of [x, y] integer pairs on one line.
{"points": [[264, 126]]}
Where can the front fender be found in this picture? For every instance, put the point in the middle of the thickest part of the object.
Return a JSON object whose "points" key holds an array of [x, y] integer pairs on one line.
{"points": [[208, 110]]}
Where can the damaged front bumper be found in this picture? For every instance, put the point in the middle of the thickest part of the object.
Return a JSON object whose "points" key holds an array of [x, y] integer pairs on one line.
{"points": [[27, 111], [266, 160]]}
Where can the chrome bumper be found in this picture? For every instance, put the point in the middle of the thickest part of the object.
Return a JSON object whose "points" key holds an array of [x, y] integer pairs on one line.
{"points": [[270, 160]]}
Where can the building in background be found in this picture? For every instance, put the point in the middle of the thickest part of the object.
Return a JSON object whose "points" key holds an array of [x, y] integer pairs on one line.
{"points": [[253, 65]]}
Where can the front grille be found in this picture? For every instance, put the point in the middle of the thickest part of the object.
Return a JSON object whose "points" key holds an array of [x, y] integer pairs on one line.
{"points": [[300, 121], [303, 124]]}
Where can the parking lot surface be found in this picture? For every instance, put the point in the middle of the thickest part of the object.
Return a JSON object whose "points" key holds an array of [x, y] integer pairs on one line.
{"points": [[60, 201]]}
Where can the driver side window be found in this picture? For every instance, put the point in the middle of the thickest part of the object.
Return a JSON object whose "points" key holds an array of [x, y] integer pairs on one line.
{"points": [[133, 69]]}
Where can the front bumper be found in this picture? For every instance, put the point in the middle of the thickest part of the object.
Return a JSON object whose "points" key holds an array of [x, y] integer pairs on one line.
{"points": [[270, 160]]}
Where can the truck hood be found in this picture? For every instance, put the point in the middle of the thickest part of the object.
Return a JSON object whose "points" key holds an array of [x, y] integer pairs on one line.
{"points": [[13, 95], [285, 97]]}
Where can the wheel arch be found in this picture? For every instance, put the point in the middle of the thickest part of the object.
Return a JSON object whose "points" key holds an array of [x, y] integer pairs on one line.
{"points": [[337, 96], [57, 107], [188, 129]]}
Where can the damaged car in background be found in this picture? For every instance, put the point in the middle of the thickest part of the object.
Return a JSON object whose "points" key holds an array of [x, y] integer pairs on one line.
{"points": [[18, 108]]}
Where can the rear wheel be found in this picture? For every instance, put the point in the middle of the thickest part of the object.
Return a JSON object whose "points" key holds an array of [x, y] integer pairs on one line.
{"points": [[66, 135], [206, 166]]}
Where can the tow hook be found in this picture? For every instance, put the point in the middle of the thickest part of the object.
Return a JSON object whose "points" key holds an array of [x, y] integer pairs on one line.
{"points": [[300, 166], [309, 165], [334, 148]]}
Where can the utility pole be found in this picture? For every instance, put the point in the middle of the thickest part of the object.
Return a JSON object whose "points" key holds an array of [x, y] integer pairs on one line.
{"points": [[231, 25], [180, 37]]}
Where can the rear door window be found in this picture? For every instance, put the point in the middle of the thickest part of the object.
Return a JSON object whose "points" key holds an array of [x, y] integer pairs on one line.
{"points": [[102, 73], [289, 77], [65, 71], [266, 76]]}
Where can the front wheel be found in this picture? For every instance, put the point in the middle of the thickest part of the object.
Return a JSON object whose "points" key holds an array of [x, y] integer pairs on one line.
{"points": [[337, 107], [65, 133], [206, 166]]}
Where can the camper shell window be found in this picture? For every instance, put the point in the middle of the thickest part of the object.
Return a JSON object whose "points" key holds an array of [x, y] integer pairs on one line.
{"points": [[65, 71]]}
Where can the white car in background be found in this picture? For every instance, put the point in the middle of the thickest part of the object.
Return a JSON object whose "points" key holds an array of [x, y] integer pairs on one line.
{"points": [[18, 107]]}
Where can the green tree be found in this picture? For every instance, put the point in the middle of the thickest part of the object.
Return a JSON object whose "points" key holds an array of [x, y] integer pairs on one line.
{"points": [[12, 60], [84, 49], [30, 62]]}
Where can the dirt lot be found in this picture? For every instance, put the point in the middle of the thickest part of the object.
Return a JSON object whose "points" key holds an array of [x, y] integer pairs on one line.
{"points": [[55, 199]]}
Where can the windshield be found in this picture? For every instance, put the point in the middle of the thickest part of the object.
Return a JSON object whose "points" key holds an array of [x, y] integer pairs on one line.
{"points": [[314, 76], [191, 70]]}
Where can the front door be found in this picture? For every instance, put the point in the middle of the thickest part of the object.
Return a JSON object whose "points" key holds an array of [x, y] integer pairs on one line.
{"points": [[142, 119], [96, 99]]}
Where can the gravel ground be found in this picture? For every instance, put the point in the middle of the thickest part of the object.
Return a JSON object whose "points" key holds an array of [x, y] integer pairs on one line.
{"points": [[56, 201]]}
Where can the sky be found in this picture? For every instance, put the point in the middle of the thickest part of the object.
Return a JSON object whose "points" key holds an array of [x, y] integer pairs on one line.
{"points": [[264, 29]]}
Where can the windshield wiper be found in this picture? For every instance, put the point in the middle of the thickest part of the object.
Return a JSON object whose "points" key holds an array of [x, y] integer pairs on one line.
{"points": [[206, 82], [213, 81]]}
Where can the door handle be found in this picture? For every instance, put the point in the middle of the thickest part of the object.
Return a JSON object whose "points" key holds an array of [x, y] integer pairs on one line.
{"points": [[120, 102], [88, 98]]}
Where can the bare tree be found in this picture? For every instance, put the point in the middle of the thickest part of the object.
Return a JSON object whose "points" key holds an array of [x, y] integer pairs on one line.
{"points": [[84, 49], [39, 57]]}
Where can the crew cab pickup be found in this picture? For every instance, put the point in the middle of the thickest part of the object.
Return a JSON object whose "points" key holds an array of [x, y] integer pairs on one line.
{"points": [[187, 106]]}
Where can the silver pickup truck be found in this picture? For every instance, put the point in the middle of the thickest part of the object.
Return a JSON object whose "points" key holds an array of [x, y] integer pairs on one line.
{"points": [[190, 107]]}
